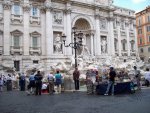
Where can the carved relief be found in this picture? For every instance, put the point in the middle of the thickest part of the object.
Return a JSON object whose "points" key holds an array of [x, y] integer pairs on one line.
{"points": [[7, 5], [57, 17], [103, 24]]}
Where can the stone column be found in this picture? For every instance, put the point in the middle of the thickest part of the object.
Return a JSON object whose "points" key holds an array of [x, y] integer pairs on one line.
{"points": [[69, 29], [136, 43], [49, 29], [98, 40], [128, 40], [119, 40], [7, 10], [26, 39], [111, 37], [92, 44], [43, 37]]}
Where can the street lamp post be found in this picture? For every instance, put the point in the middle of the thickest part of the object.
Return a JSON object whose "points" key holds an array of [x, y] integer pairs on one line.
{"points": [[76, 44]]}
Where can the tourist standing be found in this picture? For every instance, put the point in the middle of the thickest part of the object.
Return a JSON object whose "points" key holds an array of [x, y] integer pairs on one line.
{"points": [[76, 75], [31, 85], [89, 82], [58, 81], [112, 75], [22, 82], [147, 77], [137, 77], [9, 83], [38, 83], [50, 79]]}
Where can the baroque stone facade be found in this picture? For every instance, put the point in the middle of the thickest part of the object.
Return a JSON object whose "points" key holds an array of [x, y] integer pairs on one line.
{"points": [[30, 30]]}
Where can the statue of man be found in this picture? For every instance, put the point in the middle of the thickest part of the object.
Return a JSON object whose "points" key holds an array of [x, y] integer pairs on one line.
{"points": [[85, 49], [57, 44], [103, 45]]}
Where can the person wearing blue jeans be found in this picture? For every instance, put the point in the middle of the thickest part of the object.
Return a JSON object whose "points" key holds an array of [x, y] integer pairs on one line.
{"points": [[112, 75]]}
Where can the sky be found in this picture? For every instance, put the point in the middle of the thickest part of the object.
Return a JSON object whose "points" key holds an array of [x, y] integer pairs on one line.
{"points": [[136, 5]]}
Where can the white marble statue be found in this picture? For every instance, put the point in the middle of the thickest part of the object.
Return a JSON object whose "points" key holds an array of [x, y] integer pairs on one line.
{"points": [[85, 49], [57, 44], [104, 45]]}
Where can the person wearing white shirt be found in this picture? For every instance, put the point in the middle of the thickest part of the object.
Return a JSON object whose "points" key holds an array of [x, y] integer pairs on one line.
{"points": [[147, 77], [50, 78]]}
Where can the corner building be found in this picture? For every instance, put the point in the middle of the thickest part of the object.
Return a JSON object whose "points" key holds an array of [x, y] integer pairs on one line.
{"points": [[30, 30], [143, 33]]}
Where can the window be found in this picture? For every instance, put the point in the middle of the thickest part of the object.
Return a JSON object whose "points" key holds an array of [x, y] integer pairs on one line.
{"points": [[149, 49], [148, 28], [122, 25], [139, 21], [141, 50], [17, 65], [35, 61], [148, 18], [114, 24], [148, 38], [139, 31], [141, 41], [131, 26], [34, 42], [16, 41], [132, 46], [16, 9], [124, 47], [34, 11]]}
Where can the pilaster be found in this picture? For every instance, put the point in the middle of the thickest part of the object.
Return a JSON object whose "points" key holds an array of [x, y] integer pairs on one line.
{"points": [[43, 28], [111, 37], [49, 29], [98, 40], [92, 44], [7, 11], [119, 39], [128, 40], [69, 28], [26, 39]]}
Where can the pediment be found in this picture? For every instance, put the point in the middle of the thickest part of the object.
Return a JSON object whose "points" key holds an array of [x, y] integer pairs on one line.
{"points": [[16, 32], [132, 41], [35, 33], [124, 41]]}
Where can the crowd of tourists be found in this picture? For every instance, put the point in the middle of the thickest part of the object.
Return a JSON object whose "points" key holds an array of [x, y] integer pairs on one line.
{"points": [[55, 81]]}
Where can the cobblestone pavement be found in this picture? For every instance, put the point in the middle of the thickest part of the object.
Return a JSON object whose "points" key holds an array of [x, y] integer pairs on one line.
{"points": [[75, 102]]}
